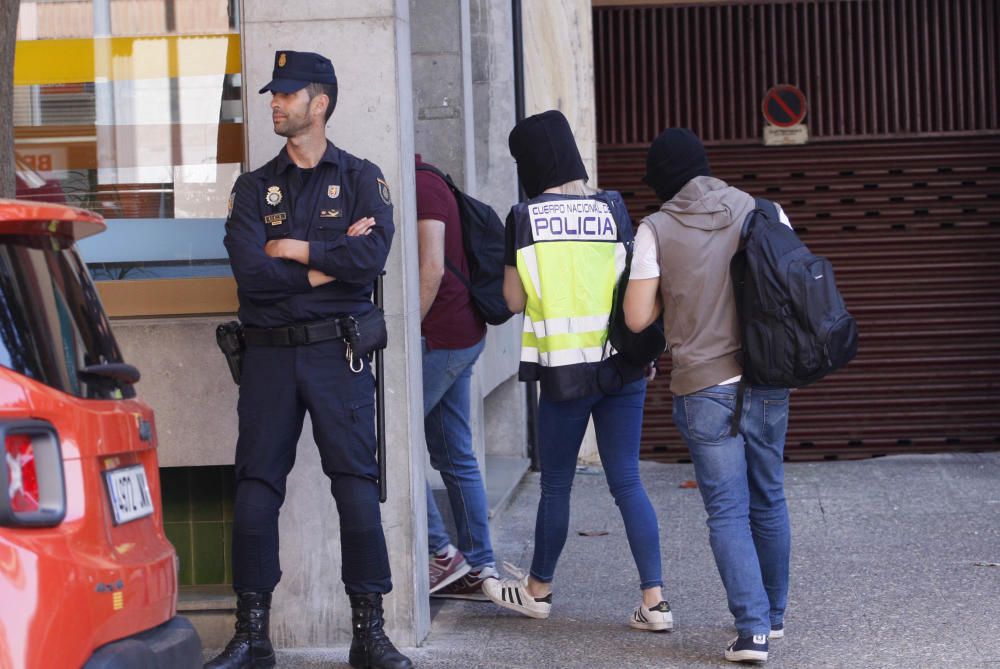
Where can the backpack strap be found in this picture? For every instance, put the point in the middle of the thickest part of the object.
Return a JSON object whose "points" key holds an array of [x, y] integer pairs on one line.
{"points": [[423, 167], [741, 389], [454, 190], [761, 206], [768, 209]]}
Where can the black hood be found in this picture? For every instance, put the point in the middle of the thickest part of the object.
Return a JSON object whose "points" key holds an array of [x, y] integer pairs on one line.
{"points": [[675, 157], [546, 152]]}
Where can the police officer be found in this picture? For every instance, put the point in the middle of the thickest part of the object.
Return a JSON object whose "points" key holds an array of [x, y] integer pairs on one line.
{"points": [[300, 268]]}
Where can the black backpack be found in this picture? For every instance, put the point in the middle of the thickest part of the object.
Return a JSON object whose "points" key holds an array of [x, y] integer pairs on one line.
{"points": [[483, 242], [794, 325]]}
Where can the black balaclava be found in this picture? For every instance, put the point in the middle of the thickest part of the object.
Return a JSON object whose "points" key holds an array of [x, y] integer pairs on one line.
{"points": [[675, 157], [546, 153]]}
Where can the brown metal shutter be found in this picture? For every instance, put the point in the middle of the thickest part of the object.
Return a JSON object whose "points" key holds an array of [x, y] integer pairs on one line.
{"points": [[913, 231], [900, 189]]}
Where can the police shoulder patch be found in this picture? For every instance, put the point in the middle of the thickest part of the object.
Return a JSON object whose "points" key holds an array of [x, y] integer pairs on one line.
{"points": [[229, 207], [383, 191]]}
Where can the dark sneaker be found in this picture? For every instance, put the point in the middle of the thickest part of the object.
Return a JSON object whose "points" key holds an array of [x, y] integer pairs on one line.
{"points": [[447, 568], [747, 649], [468, 587], [777, 631]]}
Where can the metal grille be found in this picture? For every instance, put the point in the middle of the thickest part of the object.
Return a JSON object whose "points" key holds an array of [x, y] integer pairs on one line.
{"points": [[869, 68], [913, 231]]}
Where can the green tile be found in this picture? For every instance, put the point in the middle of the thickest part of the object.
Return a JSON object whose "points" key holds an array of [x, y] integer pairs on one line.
{"points": [[209, 553], [206, 493], [179, 535], [174, 491], [228, 491]]}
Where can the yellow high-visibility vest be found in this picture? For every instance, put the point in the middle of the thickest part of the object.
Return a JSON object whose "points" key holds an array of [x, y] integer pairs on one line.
{"points": [[571, 251]]}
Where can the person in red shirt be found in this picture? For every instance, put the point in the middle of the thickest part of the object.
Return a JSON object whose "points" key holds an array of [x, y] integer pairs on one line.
{"points": [[453, 336]]}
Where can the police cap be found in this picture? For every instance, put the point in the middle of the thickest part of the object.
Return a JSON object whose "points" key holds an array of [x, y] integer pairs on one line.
{"points": [[294, 70]]}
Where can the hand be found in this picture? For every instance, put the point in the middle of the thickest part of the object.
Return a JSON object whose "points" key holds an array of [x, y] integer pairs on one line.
{"points": [[651, 371], [317, 278], [288, 249], [361, 227]]}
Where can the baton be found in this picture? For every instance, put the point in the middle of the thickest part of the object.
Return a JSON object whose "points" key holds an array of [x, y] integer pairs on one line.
{"points": [[380, 402]]}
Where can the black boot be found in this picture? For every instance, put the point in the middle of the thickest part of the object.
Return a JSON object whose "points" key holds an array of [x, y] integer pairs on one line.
{"points": [[371, 648], [250, 647]]}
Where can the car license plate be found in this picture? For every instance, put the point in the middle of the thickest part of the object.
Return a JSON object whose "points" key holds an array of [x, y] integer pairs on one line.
{"points": [[129, 493]]}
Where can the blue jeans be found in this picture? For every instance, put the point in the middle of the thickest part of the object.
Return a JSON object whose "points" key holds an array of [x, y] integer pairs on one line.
{"points": [[618, 425], [741, 480], [447, 375]]}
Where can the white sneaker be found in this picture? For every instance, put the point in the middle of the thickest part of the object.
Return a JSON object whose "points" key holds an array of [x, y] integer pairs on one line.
{"points": [[654, 619], [513, 594]]}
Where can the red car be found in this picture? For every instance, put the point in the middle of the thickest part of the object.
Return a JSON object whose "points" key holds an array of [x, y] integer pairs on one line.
{"points": [[87, 576]]}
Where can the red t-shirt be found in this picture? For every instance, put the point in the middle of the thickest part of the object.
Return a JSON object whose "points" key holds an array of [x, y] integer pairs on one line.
{"points": [[452, 322]]}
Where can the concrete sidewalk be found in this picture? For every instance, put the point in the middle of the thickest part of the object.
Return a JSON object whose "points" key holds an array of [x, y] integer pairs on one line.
{"points": [[891, 567]]}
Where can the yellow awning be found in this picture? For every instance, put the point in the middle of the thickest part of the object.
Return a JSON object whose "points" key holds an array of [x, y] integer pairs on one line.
{"points": [[72, 61]]}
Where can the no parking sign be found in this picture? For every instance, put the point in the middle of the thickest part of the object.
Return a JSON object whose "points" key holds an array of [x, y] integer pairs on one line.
{"points": [[784, 108]]}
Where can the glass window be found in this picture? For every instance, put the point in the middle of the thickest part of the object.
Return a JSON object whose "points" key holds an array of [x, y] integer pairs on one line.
{"points": [[133, 109], [51, 322]]}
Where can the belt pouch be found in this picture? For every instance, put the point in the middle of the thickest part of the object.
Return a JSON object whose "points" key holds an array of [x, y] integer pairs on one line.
{"points": [[365, 333]]}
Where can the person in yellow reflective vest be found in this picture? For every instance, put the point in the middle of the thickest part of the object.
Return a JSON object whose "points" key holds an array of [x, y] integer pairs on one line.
{"points": [[566, 248]]}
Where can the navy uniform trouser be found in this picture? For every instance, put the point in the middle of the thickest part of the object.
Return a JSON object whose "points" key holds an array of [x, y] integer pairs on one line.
{"points": [[278, 385]]}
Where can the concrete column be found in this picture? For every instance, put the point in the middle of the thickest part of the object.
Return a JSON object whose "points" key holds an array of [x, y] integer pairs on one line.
{"points": [[496, 183], [559, 68], [559, 74], [463, 87], [442, 87], [369, 44]]}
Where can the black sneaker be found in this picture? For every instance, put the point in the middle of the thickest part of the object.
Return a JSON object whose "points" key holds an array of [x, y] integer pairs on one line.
{"points": [[747, 649], [777, 631]]}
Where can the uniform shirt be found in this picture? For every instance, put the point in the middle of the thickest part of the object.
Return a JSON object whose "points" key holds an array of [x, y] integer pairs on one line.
{"points": [[279, 200], [451, 322]]}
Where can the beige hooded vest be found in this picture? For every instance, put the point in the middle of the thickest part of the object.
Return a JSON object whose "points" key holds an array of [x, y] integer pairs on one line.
{"points": [[697, 233]]}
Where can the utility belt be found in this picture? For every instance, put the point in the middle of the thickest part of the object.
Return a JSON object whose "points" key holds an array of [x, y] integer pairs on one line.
{"points": [[363, 335]]}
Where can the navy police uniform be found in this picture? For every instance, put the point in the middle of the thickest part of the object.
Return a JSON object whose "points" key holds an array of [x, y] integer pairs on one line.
{"points": [[280, 383]]}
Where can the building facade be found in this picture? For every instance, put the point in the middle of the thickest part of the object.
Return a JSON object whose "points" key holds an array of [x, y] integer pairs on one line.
{"points": [[146, 111]]}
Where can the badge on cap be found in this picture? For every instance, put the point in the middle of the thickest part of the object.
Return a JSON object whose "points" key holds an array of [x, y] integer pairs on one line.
{"points": [[282, 59], [383, 190], [333, 191], [273, 196]]}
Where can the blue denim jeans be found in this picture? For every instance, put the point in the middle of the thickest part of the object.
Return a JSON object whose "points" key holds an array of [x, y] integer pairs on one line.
{"points": [[618, 426], [741, 480], [447, 374]]}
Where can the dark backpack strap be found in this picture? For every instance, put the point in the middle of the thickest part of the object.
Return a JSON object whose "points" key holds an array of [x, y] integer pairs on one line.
{"points": [[738, 411], [769, 210], [454, 189], [433, 170], [461, 277], [761, 206]]}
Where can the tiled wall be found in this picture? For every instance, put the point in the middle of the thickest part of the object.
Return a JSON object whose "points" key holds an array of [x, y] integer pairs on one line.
{"points": [[198, 519]]}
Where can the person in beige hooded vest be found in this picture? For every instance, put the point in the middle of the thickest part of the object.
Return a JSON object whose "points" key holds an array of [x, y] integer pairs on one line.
{"points": [[681, 268]]}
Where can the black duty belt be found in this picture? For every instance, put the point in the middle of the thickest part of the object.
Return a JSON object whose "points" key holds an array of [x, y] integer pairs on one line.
{"points": [[294, 335]]}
